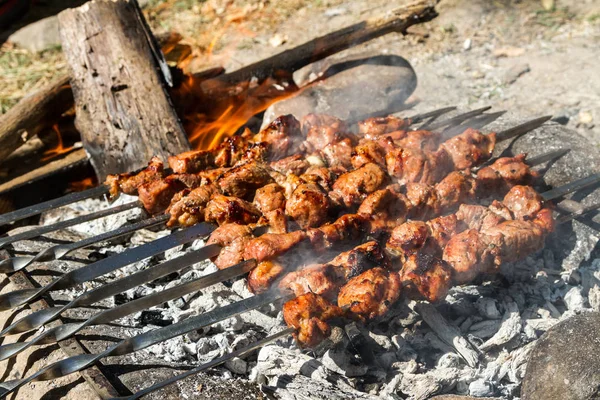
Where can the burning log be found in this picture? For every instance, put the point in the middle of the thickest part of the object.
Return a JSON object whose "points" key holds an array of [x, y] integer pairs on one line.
{"points": [[124, 112]]}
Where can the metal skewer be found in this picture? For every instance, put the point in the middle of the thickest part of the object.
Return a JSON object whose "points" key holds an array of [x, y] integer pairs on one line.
{"points": [[57, 252], [476, 123], [457, 120], [19, 297], [431, 114]]}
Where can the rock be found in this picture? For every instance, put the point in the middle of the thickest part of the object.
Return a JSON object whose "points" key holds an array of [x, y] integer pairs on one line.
{"points": [[236, 365], [515, 72], [456, 397], [574, 299], [353, 90], [480, 388], [38, 36], [564, 363], [344, 363], [509, 52]]}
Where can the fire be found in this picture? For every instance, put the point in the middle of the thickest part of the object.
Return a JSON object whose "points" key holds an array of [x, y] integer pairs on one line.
{"points": [[59, 149], [85, 183], [213, 109]]}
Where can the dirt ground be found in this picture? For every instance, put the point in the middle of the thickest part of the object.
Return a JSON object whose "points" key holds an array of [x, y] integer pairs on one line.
{"points": [[512, 55]]}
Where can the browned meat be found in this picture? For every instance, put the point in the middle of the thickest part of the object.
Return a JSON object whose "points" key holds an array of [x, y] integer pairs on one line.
{"points": [[230, 151], [368, 151], [413, 165], [191, 181], [283, 136], [456, 188], [308, 314], [339, 154], [408, 237], [385, 209], [427, 275], [423, 200], [442, 229], [316, 278], [376, 126], [321, 130], [359, 259], [269, 197], [265, 273], [156, 195], [295, 164], [354, 186], [187, 207], [212, 175], [421, 140], [503, 174], [479, 217], [322, 176], [468, 254], [270, 245], [470, 148], [129, 183], [371, 293], [346, 228], [223, 210], [515, 239], [523, 201], [276, 220], [191, 162], [544, 220], [233, 239], [243, 180], [308, 205], [259, 151]]}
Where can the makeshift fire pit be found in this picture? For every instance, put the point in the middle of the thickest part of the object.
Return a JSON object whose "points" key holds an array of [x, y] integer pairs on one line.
{"points": [[134, 304]]}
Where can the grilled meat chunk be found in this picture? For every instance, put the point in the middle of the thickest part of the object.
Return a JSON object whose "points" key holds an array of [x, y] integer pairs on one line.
{"points": [[368, 151], [269, 197], [354, 186], [515, 240], [503, 174], [322, 130], [212, 175], [233, 239], [191, 162], [223, 210], [469, 254], [308, 314], [129, 183], [348, 227], [427, 275], [359, 259], [308, 205], [295, 164], [523, 201], [156, 195], [191, 181], [413, 165], [265, 273], [339, 154], [371, 293], [243, 180], [456, 188], [283, 136], [187, 207], [421, 140], [230, 151], [377, 126], [470, 148], [270, 245], [423, 200], [408, 237], [316, 278], [385, 209], [322, 176], [481, 218]]}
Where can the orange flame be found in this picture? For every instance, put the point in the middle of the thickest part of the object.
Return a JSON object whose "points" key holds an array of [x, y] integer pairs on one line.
{"points": [[58, 149], [85, 183]]}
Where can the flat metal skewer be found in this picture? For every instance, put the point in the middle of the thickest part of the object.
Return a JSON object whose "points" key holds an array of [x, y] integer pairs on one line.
{"points": [[457, 120], [67, 223], [144, 340], [431, 114], [519, 129], [476, 123], [92, 271], [57, 252], [62, 332]]}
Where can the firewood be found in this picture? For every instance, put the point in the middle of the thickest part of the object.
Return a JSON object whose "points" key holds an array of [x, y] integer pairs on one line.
{"points": [[124, 113]]}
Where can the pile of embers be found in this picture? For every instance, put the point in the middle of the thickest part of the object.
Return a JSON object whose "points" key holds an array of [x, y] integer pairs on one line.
{"points": [[342, 208]]}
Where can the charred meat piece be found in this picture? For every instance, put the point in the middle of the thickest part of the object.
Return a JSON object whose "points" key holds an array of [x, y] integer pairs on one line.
{"points": [[385, 209], [469, 254], [156, 195], [523, 201], [316, 278], [456, 188], [256, 152], [322, 176], [371, 293], [413, 165], [470, 148], [233, 239], [191, 162], [368, 151], [283, 136], [269, 197], [308, 206], [270, 245], [243, 180], [348, 227], [187, 207], [322, 130], [223, 210], [230, 151], [427, 275], [503, 174], [309, 314], [295, 164], [265, 273], [339, 154], [191, 181], [130, 182], [377, 126], [359, 259], [355, 186]]}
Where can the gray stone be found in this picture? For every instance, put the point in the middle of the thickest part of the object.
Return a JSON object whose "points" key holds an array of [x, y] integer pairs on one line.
{"points": [[565, 363], [38, 36], [378, 83], [515, 72]]}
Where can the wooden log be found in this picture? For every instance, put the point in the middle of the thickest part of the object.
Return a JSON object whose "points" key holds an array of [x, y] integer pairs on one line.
{"points": [[32, 114], [123, 110]]}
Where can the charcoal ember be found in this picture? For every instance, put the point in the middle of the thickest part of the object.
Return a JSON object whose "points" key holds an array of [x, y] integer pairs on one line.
{"points": [[154, 317], [564, 363], [344, 363]]}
